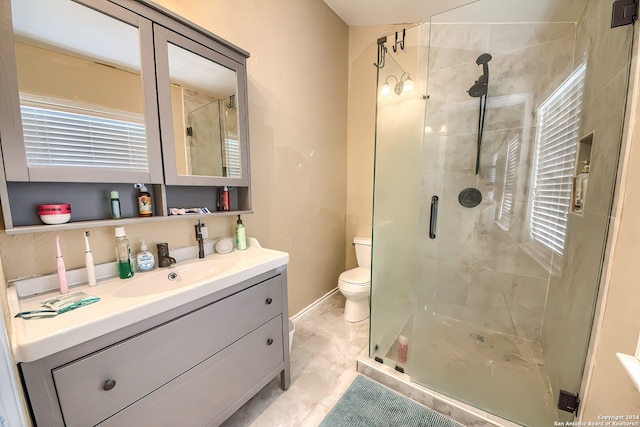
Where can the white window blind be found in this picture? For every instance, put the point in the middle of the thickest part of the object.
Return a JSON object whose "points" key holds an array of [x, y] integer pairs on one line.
{"points": [[232, 157], [509, 184], [70, 136], [558, 124]]}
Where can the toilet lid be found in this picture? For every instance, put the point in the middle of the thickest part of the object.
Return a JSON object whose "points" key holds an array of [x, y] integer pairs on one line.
{"points": [[356, 276]]}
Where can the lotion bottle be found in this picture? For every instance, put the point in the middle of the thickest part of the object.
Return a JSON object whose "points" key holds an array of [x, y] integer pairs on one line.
{"points": [[582, 180], [241, 239], [144, 201], [225, 204]]}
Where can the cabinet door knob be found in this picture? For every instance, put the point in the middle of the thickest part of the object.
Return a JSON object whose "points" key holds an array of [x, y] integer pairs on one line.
{"points": [[268, 301], [108, 385], [269, 342]]}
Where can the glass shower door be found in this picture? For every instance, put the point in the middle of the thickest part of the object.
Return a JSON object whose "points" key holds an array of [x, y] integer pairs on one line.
{"points": [[496, 294]]}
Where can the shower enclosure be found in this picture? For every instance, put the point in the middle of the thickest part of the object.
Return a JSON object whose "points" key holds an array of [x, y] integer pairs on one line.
{"points": [[488, 246]]}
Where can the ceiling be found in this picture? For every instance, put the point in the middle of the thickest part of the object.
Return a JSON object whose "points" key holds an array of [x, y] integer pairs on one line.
{"points": [[388, 12]]}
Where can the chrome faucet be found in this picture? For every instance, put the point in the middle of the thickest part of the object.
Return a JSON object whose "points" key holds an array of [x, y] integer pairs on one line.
{"points": [[200, 236]]}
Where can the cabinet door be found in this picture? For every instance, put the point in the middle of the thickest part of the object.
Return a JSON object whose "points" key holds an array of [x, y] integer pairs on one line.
{"points": [[202, 102], [78, 85], [211, 391]]}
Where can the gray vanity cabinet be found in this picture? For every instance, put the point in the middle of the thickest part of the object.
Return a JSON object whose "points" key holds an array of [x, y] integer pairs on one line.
{"points": [[195, 368]]}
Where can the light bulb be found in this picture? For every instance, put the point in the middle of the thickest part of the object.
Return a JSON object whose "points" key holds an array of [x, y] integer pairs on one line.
{"points": [[386, 89], [408, 85]]}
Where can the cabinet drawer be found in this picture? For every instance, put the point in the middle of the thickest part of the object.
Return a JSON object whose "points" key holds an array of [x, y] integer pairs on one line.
{"points": [[201, 395], [143, 363]]}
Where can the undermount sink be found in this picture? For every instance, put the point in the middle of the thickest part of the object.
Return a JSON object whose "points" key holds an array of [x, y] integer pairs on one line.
{"points": [[169, 279]]}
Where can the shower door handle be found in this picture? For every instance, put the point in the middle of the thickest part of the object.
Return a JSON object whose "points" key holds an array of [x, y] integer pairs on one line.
{"points": [[434, 217]]}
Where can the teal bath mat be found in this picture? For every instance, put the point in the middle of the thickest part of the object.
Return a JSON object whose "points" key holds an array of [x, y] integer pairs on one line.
{"points": [[369, 404]]}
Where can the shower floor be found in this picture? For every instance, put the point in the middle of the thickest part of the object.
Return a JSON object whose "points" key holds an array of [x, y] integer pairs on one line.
{"points": [[498, 373]]}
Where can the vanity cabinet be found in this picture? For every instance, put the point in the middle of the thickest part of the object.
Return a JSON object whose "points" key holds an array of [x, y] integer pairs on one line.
{"points": [[194, 365], [97, 95]]}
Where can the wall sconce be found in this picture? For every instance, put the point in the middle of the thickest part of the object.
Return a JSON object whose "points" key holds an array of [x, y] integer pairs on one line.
{"points": [[404, 84]]}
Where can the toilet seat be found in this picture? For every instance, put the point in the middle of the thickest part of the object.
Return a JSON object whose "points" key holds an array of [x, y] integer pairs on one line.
{"points": [[356, 276]]}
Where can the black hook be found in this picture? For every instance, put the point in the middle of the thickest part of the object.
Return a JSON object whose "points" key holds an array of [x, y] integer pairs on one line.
{"points": [[401, 42], [382, 50]]}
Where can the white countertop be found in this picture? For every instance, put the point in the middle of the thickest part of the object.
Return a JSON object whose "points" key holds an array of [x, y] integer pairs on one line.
{"points": [[33, 339]]}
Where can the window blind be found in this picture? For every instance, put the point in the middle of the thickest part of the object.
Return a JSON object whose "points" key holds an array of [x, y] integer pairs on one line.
{"points": [[558, 124], [232, 157], [65, 136], [509, 186]]}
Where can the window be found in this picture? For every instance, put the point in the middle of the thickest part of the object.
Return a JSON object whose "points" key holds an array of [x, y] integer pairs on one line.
{"points": [[76, 136], [558, 124]]}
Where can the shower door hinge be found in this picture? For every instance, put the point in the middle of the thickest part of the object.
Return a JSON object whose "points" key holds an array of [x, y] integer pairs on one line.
{"points": [[568, 401], [625, 12]]}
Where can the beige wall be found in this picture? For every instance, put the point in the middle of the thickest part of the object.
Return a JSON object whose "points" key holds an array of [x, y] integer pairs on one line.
{"points": [[297, 76], [361, 131]]}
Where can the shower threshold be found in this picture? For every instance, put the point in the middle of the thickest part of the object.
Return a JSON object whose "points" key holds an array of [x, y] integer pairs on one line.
{"points": [[401, 383]]}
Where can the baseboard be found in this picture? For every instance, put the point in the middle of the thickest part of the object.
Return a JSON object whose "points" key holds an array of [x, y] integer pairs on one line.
{"points": [[313, 305]]}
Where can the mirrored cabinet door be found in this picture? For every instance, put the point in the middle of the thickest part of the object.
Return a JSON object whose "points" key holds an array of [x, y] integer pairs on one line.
{"points": [[82, 80], [202, 96]]}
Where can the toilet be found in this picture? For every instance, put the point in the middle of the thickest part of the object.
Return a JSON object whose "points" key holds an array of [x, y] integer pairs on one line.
{"points": [[354, 283]]}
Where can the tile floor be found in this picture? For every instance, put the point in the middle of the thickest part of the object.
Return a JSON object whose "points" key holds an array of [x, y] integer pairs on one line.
{"points": [[323, 365]]}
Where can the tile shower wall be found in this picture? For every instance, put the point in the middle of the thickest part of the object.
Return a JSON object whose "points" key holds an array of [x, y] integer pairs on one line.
{"points": [[573, 292], [475, 270]]}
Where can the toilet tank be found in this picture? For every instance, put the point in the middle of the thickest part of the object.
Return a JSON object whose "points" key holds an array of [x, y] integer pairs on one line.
{"points": [[363, 251]]}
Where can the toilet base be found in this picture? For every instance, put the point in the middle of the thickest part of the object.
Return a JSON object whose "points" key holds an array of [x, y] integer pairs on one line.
{"points": [[356, 310]]}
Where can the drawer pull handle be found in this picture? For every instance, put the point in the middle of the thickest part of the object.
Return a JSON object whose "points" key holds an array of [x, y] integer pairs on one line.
{"points": [[268, 301], [108, 385], [269, 341]]}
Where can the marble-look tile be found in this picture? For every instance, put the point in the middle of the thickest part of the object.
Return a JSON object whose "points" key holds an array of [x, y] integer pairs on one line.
{"points": [[504, 38], [605, 121], [455, 44], [572, 297], [608, 52]]}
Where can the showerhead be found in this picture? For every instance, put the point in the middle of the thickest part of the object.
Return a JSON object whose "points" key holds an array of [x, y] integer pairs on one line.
{"points": [[483, 59], [478, 89]]}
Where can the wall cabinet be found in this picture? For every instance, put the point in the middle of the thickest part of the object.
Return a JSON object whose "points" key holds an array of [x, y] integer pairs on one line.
{"points": [[196, 364], [96, 95]]}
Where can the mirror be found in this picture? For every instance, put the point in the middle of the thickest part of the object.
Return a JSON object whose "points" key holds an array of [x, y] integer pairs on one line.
{"points": [[205, 115], [80, 84]]}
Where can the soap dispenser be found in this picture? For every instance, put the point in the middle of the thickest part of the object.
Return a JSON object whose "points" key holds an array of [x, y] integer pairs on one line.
{"points": [[145, 260], [241, 239]]}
